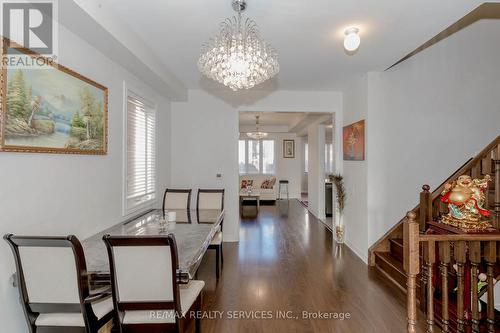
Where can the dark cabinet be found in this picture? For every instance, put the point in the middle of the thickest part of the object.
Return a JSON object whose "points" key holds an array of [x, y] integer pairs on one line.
{"points": [[328, 199]]}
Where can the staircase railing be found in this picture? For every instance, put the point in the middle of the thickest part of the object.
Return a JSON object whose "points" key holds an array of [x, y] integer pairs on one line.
{"points": [[487, 162], [450, 297], [467, 254], [430, 207]]}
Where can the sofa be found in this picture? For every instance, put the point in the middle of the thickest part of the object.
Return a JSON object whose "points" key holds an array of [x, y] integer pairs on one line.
{"points": [[266, 194]]}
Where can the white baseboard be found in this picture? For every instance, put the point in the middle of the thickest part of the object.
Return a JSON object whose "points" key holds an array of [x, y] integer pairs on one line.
{"points": [[361, 254]]}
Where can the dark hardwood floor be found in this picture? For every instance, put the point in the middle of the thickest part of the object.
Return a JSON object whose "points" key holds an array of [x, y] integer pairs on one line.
{"points": [[286, 260]]}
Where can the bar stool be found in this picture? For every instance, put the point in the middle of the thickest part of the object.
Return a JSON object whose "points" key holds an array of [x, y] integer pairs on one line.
{"points": [[283, 184]]}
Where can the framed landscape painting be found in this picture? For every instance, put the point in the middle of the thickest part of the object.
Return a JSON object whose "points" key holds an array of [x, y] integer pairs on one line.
{"points": [[354, 141], [52, 110]]}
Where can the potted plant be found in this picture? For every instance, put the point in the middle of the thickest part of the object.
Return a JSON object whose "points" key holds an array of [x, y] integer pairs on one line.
{"points": [[340, 199]]}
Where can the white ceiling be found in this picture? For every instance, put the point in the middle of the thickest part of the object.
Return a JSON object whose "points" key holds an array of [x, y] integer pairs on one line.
{"points": [[283, 122], [307, 34], [272, 118]]}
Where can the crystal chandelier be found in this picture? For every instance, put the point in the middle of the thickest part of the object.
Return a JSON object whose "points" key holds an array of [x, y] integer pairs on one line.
{"points": [[238, 57], [257, 134]]}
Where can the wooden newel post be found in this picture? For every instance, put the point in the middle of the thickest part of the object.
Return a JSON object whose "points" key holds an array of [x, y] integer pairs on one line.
{"points": [[425, 206], [411, 266]]}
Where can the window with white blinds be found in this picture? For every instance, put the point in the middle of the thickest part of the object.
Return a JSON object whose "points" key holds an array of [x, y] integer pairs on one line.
{"points": [[141, 152], [256, 157]]}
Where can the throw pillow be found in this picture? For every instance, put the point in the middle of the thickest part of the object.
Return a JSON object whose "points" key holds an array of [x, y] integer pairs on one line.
{"points": [[268, 183], [246, 182], [273, 181]]}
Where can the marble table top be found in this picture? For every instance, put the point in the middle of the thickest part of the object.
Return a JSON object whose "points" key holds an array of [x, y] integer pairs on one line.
{"points": [[193, 231]]}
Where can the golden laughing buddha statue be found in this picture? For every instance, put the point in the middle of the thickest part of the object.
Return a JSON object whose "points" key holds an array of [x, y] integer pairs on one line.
{"points": [[466, 198]]}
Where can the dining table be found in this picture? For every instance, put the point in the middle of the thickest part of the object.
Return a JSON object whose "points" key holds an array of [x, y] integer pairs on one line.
{"points": [[193, 231]]}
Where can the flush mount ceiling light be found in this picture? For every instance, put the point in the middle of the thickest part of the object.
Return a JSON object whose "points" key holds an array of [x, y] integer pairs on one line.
{"points": [[257, 134], [352, 39], [238, 57]]}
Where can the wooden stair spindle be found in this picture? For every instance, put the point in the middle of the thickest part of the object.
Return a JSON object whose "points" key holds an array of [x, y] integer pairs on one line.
{"points": [[423, 287], [486, 164], [411, 265], [490, 256], [497, 187], [475, 259], [425, 207], [476, 171], [444, 259], [425, 215], [460, 258], [430, 259]]}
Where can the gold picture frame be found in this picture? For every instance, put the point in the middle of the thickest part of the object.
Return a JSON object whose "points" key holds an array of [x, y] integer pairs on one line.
{"points": [[51, 130]]}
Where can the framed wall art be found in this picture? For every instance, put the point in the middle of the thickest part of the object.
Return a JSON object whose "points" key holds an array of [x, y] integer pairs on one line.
{"points": [[354, 141], [288, 148], [51, 110]]}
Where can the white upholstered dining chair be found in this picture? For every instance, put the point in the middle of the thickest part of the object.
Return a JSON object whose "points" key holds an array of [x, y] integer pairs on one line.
{"points": [[177, 199], [54, 286], [146, 292], [213, 199]]}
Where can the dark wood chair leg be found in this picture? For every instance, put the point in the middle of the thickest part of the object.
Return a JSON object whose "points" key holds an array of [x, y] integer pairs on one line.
{"points": [[217, 259], [197, 322], [197, 325], [221, 255], [115, 328]]}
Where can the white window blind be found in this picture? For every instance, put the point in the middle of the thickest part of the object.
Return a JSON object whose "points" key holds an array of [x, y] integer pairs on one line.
{"points": [[141, 152]]}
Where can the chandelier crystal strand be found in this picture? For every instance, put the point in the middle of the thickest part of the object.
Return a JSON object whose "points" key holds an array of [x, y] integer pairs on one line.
{"points": [[238, 57]]}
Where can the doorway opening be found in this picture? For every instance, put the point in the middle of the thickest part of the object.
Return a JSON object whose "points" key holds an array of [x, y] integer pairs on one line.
{"points": [[286, 156]]}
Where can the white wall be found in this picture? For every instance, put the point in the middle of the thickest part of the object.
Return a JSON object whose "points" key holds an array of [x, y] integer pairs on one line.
{"points": [[443, 106], [289, 168], [303, 174], [205, 137], [316, 170], [50, 194], [355, 172], [424, 119]]}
